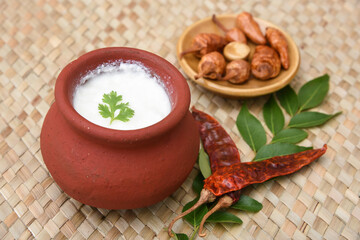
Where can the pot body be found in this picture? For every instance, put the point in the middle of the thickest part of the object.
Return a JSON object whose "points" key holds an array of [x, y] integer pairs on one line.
{"points": [[116, 169], [113, 176]]}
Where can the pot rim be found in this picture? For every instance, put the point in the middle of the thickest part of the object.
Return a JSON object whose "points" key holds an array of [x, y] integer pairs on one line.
{"points": [[179, 98]]}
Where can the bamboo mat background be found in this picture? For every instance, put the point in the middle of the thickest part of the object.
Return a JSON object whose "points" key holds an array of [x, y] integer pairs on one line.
{"points": [[38, 38]]}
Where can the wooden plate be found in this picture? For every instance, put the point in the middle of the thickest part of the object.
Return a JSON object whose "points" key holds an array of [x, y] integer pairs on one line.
{"points": [[251, 88]]}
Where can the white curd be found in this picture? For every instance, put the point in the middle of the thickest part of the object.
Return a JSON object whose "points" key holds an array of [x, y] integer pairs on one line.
{"points": [[137, 86]]}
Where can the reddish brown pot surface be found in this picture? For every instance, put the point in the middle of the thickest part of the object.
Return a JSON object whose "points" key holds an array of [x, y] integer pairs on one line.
{"points": [[118, 169]]}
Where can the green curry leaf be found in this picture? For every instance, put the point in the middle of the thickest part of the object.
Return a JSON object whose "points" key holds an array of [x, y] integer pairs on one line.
{"points": [[248, 204], [180, 236], [204, 163], [224, 217], [290, 135], [278, 149], [198, 183], [273, 116], [288, 100], [250, 129], [310, 119], [313, 92]]}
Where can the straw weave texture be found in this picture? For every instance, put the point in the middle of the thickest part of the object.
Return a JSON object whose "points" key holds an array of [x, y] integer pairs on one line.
{"points": [[38, 38]]}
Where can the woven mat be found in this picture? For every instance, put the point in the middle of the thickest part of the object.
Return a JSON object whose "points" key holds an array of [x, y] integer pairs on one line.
{"points": [[38, 38]]}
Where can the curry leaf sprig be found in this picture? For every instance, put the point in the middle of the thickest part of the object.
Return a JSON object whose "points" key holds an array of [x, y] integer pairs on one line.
{"points": [[113, 105], [245, 203], [284, 138]]}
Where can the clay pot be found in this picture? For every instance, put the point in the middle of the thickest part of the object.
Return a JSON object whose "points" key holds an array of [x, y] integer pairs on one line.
{"points": [[118, 169]]}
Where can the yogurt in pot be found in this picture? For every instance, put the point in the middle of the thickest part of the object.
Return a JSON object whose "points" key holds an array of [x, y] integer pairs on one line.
{"points": [[138, 95]]}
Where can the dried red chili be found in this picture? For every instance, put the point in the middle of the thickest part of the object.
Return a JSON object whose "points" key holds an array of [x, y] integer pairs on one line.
{"points": [[222, 152], [217, 143], [240, 175], [221, 149]]}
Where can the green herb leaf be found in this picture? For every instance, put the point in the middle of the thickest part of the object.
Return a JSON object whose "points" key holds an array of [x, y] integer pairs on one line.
{"points": [[291, 135], [180, 236], [274, 118], [204, 163], [108, 111], [248, 204], [310, 119], [198, 183], [224, 217], [313, 92], [278, 149], [195, 217], [125, 112], [104, 111], [250, 129], [288, 100]]}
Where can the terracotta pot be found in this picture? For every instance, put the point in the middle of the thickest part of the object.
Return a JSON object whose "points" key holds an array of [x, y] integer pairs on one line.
{"points": [[118, 169]]}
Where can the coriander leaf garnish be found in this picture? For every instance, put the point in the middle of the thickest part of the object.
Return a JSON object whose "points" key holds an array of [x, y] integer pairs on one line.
{"points": [[112, 104]]}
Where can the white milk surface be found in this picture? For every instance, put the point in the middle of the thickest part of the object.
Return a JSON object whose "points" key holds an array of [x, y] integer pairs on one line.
{"points": [[146, 96]]}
